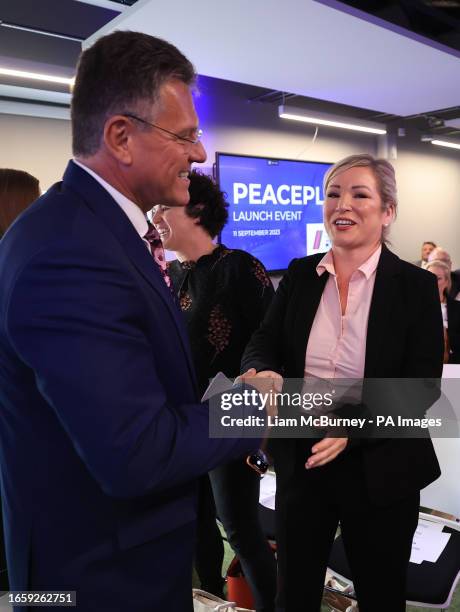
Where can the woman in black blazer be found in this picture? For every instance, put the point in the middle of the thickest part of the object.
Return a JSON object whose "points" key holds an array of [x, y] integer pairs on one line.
{"points": [[450, 309], [388, 322], [453, 329]]}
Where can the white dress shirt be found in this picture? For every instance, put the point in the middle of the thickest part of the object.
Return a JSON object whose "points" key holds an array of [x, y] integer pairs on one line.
{"points": [[131, 210]]}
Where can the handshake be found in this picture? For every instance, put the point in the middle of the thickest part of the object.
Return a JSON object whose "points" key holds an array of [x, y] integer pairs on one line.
{"points": [[262, 381], [322, 452]]}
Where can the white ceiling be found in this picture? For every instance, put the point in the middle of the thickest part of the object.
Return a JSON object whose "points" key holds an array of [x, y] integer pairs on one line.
{"points": [[29, 93], [302, 47]]}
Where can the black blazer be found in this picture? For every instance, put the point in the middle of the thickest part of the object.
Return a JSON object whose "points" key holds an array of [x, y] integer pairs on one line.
{"points": [[453, 329], [455, 282], [404, 340]]}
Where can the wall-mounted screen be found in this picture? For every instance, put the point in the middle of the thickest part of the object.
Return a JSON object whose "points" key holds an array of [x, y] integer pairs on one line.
{"points": [[275, 207]]}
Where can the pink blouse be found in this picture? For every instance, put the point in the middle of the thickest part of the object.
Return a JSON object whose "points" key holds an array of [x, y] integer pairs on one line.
{"points": [[337, 344]]}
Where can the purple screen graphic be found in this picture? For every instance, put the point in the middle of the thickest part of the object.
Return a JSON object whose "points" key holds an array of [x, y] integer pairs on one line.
{"points": [[271, 203]]}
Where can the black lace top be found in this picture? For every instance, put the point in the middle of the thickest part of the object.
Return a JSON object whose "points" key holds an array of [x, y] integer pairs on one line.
{"points": [[224, 296]]}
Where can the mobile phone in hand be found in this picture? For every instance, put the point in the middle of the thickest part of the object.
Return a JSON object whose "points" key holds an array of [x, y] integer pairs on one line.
{"points": [[258, 462]]}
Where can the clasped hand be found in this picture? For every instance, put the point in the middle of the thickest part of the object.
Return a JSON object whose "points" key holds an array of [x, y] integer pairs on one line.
{"points": [[322, 452], [266, 382]]}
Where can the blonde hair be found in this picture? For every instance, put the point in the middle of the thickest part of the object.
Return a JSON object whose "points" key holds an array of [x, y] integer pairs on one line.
{"points": [[384, 174], [438, 263], [440, 254]]}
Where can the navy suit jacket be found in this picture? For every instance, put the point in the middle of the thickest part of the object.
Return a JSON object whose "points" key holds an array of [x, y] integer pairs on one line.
{"points": [[102, 435]]}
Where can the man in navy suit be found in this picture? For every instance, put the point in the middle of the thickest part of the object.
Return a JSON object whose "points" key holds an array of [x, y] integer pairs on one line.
{"points": [[102, 434]]}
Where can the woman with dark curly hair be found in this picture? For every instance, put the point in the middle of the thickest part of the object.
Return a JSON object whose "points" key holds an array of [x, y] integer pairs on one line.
{"points": [[224, 294]]}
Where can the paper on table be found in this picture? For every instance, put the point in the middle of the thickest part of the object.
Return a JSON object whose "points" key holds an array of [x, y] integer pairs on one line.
{"points": [[428, 543], [268, 491], [219, 384], [426, 524]]}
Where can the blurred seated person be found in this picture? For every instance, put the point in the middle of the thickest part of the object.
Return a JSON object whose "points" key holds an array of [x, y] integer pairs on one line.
{"points": [[450, 311], [18, 189], [440, 254], [427, 247], [224, 294]]}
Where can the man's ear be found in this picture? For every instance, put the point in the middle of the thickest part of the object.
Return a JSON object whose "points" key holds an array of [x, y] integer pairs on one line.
{"points": [[118, 133]]}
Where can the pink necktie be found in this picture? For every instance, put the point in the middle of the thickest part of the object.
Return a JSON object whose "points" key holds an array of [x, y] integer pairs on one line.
{"points": [[153, 238]]}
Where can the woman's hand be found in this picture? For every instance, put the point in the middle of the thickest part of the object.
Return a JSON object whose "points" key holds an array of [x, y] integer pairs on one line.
{"points": [[266, 382], [325, 451], [276, 380], [259, 380]]}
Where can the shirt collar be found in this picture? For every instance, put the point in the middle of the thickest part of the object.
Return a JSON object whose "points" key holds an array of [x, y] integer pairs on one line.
{"points": [[131, 210], [367, 268]]}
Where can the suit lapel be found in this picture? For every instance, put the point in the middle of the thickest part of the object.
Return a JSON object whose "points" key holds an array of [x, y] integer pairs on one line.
{"points": [[113, 217], [310, 291], [383, 298]]}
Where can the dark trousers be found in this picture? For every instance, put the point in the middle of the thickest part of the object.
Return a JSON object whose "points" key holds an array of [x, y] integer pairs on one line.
{"points": [[209, 549], [377, 540], [236, 493], [236, 490]]}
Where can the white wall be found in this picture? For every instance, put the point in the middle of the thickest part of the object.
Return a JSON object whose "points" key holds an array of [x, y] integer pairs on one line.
{"points": [[428, 176], [429, 200], [39, 146]]}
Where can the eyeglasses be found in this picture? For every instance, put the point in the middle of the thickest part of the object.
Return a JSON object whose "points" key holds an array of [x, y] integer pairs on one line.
{"points": [[183, 139]]}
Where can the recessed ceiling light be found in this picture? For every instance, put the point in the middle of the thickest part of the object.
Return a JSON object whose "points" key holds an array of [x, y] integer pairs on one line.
{"points": [[37, 76], [306, 116], [444, 143]]}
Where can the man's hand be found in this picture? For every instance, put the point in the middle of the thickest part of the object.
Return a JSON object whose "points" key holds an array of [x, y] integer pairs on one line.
{"points": [[325, 451], [260, 382], [266, 382]]}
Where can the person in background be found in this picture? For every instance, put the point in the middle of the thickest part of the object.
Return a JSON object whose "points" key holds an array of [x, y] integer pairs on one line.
{"points": [[357, 312], [102, 433], [224, 294], [18, 189], [450, 311], [440, 254], [427, 247]]}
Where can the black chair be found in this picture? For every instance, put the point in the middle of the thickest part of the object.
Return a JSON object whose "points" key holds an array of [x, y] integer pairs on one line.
{"points": [[429, 585]]}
